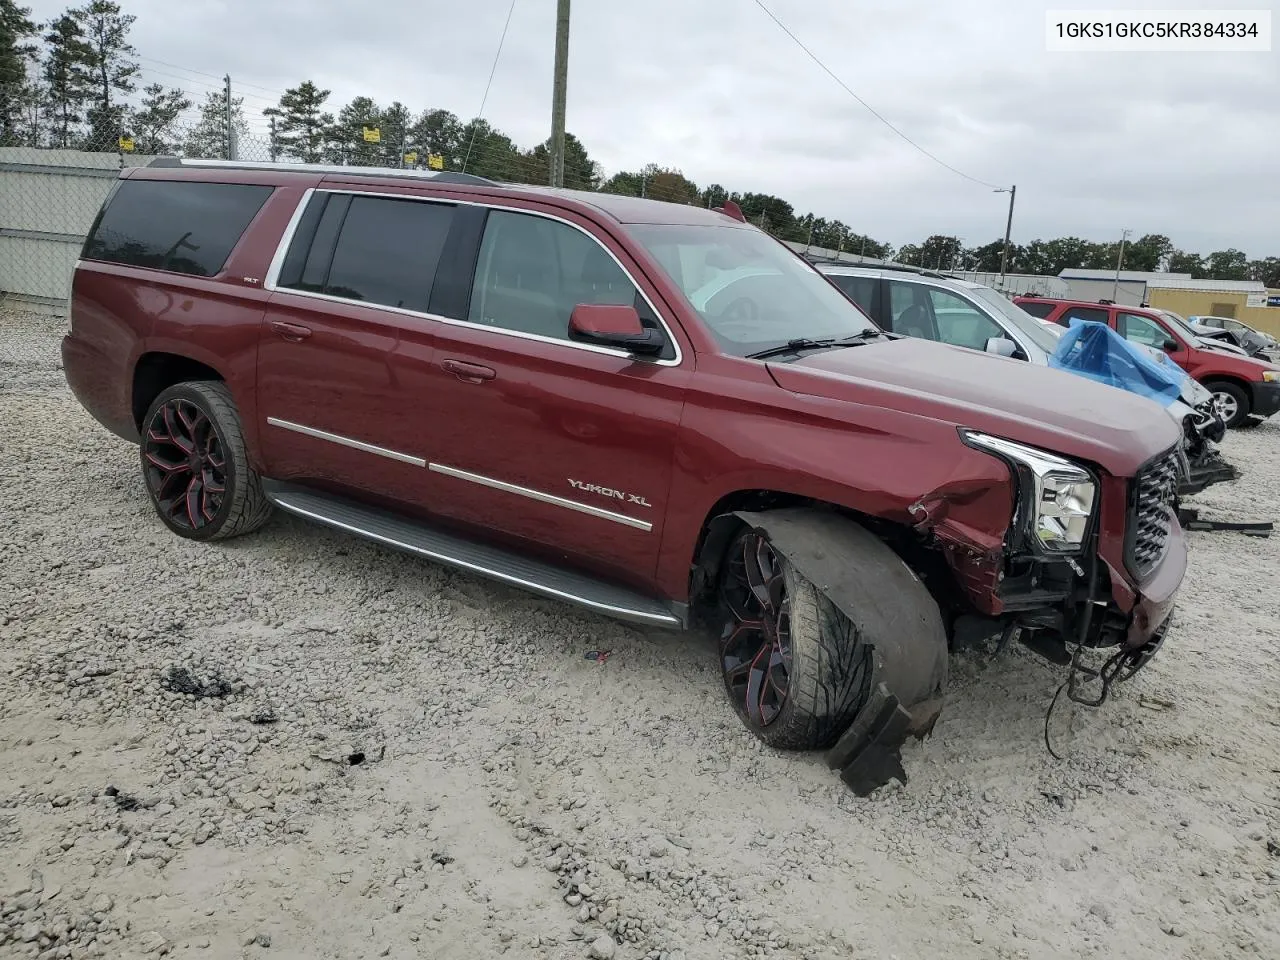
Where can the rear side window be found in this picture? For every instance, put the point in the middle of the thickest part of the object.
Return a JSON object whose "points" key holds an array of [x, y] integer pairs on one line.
{"points": [[861, 290], [378, 250], [177, 225], [1040, 310], [1086, 314]]}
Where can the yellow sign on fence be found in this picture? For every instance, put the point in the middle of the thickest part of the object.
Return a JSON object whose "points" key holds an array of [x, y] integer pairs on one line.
{"points": [[435, 161], [126, 144], [372, 135], [411, 157]]}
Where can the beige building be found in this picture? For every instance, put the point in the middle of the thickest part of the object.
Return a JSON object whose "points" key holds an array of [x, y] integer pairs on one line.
{"points": [[1244, 300]]}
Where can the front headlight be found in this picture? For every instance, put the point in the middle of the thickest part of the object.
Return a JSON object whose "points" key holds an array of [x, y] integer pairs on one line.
{"points": [[1057, 496], [1271, 376]]}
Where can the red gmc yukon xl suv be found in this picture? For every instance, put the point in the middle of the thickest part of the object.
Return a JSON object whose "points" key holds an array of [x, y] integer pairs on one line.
{"points": [[655, 411]]}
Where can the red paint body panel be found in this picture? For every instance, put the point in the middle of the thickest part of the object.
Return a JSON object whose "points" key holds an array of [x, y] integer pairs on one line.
{"points": [[648, 449]]}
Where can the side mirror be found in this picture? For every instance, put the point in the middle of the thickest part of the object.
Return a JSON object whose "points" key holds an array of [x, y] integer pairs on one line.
{"points": [[1171, 345], [613, 326], [1001, 346]]}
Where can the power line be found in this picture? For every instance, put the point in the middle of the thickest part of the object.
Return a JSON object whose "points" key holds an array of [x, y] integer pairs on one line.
{"points": [[492, 70], [239, 83], [814, 57]]}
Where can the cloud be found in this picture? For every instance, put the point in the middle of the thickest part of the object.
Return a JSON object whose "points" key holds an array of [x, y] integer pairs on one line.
{"points": [[1181, 144]]}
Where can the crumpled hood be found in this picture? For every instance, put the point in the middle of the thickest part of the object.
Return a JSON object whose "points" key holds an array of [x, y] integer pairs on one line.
{"points": [[1031, 404]]}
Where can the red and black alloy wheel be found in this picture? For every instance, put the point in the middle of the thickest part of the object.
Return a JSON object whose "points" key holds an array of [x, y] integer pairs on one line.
{"points": [[755, 643], [195, 465], [185, 464]]}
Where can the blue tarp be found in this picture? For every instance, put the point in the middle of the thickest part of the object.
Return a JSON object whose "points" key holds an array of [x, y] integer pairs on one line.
{"points": [[1094, 350]]}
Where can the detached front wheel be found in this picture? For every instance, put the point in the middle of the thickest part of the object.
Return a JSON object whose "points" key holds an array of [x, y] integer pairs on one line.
{"points": [[794, 672], [195, 466]]}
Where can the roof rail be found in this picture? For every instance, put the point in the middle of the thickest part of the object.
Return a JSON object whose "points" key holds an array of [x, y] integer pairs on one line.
{"points": [[442, 176], [875, 265]]}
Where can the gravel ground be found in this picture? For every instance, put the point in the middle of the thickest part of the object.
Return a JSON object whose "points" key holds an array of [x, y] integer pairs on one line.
{"points": [[297, 744]]}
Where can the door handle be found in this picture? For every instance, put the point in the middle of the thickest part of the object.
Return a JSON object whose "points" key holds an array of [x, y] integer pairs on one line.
{"points": [[470, 372], [293, 332]]}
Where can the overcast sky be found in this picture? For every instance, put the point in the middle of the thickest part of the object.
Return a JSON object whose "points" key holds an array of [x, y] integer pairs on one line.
{"points": [[1183, 144]]}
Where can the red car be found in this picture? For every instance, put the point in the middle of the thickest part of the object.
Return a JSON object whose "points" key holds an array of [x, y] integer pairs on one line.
{"points": [[654, 411], [1242, 387]]}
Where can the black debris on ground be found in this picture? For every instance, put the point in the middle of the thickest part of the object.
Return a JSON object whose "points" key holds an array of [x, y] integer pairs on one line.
{"points": [[124, 801], [263, 716], [181, 680]]}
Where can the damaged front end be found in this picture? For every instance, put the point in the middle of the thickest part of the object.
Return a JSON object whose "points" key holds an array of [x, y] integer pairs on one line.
{"points": [[1088, 561], [1202, 431]]}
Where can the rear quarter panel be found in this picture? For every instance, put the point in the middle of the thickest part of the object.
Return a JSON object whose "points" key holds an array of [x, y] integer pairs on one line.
{"points": [[121, 313]]}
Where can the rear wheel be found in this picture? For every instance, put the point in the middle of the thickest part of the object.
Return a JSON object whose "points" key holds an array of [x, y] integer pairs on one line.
{"points": [[1231, 401], [795, 672], [195, 466]]}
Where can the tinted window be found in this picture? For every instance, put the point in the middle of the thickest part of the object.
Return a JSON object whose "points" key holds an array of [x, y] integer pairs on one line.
{"points": [[387, 251], [1142, 330], [176, 225], [1087, 314], [960, 323], [1040, 310], [862, 290], [532, 272], [315, 267]]}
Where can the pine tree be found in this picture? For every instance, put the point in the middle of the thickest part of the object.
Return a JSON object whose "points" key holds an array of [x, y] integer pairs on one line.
{"points": [[207, 140], [153, 121], [303, 129], [16, 56], [348, 144], [106, 31], [395, 123], [67, 79]]}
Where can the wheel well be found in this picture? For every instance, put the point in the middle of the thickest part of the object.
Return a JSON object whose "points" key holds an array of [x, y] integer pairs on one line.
{"points": [[720, 525], [1234, 381], [157, 372]]}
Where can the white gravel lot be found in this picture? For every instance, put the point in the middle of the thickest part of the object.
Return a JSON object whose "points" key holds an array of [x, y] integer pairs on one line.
{"points": [[514, 798]]}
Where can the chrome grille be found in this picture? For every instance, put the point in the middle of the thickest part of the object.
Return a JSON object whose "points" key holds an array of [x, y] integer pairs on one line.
{"points": [[1151, 511]]}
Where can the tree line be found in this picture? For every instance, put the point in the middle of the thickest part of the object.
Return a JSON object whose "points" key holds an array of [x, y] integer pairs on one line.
{"points": [[73, 83]]}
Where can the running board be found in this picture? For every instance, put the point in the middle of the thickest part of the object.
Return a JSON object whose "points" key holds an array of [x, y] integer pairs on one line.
{"points": [[536, 576]]}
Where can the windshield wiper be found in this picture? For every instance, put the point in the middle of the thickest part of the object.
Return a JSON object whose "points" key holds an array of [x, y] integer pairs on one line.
{"points": [[808, 343], [792, 346], [862, 336]]}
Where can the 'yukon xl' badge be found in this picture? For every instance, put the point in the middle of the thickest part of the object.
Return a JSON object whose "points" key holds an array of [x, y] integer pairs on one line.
{"points": [[609, 492]]}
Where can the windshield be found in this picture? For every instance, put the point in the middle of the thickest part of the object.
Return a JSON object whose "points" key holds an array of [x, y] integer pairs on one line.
{"points": [[752, 292], [1037, 331], [1180, 324]]}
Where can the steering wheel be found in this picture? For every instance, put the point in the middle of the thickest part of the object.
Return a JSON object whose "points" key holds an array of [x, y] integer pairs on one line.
{"points": [[743, 309]]}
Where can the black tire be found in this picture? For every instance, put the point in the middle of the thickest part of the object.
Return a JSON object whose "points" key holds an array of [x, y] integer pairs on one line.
{"points": [[829, 669], [1236, 400], [207, 510]]}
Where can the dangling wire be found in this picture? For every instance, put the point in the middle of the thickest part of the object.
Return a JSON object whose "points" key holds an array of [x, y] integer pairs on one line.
{"points": [[485, 99]]}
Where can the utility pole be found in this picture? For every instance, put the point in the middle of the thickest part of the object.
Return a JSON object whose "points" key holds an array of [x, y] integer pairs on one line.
{"points": [[231, 127], [1115, 287], [1008, 228], [559, 93], [275, 151]]}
